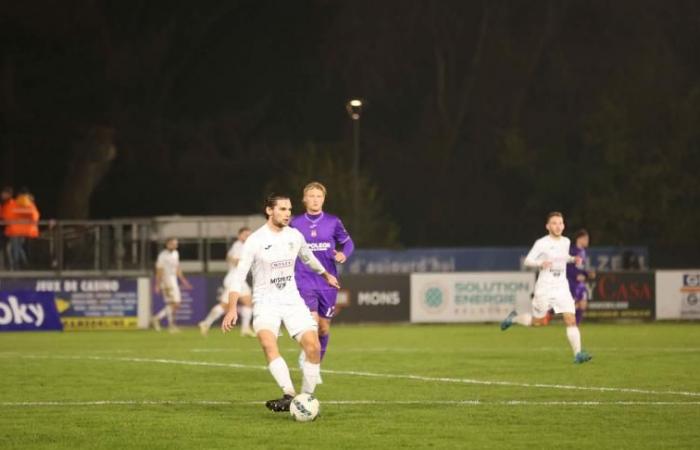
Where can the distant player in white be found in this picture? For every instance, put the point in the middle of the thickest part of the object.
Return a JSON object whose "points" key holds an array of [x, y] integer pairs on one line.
{"points": [[549, 255], [271, 252], [167, 274], [245, 301]]}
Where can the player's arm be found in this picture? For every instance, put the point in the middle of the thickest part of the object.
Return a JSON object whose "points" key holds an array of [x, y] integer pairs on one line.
{"points": [[342, 237], [160, 265], [183, 280], [308, 258], [232, 258], [239, 276], [158, 279], [532, 259], [231, 316], [574, 257]]}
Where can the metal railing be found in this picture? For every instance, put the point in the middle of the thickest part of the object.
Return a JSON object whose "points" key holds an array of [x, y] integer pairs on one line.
{"points": [[122, 246]]}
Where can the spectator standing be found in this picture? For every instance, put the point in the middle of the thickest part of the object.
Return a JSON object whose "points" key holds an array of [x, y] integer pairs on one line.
{"points": [[23, 223], [6, 203]]}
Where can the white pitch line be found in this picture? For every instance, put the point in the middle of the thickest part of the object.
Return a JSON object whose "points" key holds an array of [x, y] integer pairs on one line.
{"points": [[385, 375], [456, 351], [346, 402]]}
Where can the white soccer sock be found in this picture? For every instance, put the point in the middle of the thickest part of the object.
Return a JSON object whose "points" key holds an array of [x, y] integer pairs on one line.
{"points": [[524, 319], [216, 312], [162, 313], [310, 374], [574, 336], [280, 372], [246, 315], [171, 316], [302, 359]]}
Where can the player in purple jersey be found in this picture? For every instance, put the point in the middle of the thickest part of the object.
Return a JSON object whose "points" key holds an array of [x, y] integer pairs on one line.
{"points": [[327, 238], [577, 275]]}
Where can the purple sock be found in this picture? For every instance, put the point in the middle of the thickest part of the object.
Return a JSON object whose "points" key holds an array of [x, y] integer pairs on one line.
{"points": [[323, 339], [579, 316]]}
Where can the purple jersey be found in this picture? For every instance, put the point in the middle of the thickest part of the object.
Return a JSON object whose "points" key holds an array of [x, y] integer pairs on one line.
{"points": [[576, 287], [324, 233]]}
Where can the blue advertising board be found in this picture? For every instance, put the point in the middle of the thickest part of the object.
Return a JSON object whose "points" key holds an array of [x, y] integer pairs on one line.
{"points": [[28, 311], [86, 303], [479, 259]]}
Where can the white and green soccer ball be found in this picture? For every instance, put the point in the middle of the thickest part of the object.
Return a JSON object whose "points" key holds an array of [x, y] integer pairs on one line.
{"points": [[304, 408]]}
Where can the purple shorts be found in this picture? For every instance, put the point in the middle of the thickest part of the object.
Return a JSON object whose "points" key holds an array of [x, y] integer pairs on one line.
{"points": [[580, 292], [321, 301]]}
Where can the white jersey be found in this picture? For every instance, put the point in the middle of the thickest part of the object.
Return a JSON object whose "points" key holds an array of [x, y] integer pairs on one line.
{"points": [[555, 250], [168, 262], [271, 256], [234, 252]]}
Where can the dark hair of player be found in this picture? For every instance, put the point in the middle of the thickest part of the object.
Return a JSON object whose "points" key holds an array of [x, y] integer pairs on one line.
{"points": [[580, 233], [271, 200]]}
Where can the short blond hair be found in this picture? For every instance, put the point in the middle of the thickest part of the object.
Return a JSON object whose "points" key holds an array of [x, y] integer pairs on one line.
{"points": [[555, 214], [315, 185]]}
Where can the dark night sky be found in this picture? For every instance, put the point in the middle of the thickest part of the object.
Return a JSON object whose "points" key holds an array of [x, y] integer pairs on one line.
{"points": [[480, 116]]}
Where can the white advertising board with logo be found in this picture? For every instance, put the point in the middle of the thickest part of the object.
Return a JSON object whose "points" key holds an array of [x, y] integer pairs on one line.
{"points": [[678, 294], [469, 296]]}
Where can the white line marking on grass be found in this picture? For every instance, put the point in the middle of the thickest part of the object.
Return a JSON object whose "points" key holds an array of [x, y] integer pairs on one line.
{"points": [[344, 402], [385, 375]]}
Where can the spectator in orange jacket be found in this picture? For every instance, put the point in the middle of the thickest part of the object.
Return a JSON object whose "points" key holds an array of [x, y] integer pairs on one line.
{"points": [[23, 218], [6, 201]]}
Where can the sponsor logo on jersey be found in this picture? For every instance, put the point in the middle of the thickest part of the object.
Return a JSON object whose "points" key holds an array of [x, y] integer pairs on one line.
{"points": [[281, 282], [282, 264], [319, 246]]}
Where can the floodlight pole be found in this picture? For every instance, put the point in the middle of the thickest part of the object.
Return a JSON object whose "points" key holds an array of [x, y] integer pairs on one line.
{"points": [[354, 108]]}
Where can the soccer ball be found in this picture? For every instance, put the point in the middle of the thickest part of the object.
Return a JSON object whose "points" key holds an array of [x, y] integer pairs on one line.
{"points": [[304, 408]]}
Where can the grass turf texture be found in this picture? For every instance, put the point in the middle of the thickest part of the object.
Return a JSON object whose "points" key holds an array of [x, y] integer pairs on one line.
{"points": [[187, 391]]}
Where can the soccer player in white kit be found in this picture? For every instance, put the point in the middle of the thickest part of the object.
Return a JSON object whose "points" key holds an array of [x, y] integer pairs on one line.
{"points": [[271, 252], [549, 255], [232, 258], [167, 274]]}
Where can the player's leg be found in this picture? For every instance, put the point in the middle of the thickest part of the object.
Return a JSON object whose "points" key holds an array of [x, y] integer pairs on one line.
{"points": [[174, 299], [581, 307], [246, 313], [276, 364], [311, 299], [564, 304], [267, 324], [301, 325], [311, 371], [326, 310], [160, 315], [215, 313], [167, 310], [538, 316]]}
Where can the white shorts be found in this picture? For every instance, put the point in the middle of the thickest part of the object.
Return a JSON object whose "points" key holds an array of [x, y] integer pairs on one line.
{"points": [[228, 280], [245, 292], [557, 298], [296, 317], [171, 293]]}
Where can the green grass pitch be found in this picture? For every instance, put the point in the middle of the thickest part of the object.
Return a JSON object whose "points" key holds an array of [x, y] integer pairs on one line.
{"points": [[385, 386]]}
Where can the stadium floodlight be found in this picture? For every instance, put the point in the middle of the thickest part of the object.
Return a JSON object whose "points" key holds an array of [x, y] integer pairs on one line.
{"points": [[354, 108]]}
